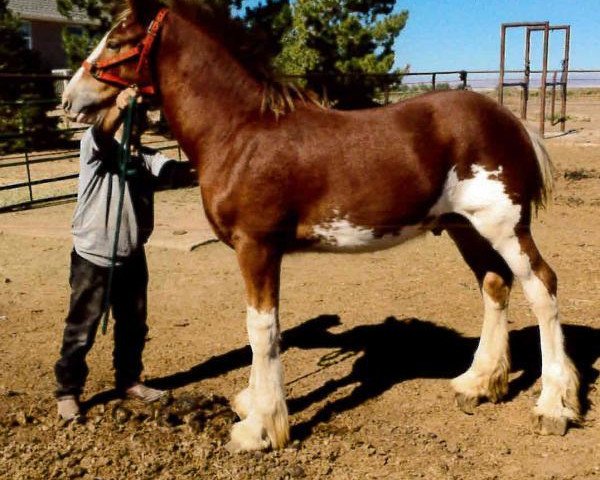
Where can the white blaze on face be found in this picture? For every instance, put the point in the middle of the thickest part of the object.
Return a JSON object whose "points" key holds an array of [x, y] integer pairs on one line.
{"points": [[80, 95], [95, 55]]}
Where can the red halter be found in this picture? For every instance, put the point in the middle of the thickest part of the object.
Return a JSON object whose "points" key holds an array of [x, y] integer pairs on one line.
{"points": [[106, 72]]}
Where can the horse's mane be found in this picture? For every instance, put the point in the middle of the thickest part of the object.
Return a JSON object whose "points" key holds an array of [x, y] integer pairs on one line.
{"points": [[280, 95]]}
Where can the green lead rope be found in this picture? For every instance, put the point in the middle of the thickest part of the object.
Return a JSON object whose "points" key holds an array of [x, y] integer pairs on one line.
{"points": [[123, 161]]}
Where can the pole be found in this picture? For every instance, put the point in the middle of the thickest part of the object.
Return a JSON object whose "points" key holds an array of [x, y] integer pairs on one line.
{"points": [[26, 147], [544, 79], [564, 79], [526, 80], [502, 59], [553, 96]]}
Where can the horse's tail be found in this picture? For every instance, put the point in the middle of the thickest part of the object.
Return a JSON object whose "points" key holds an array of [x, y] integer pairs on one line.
{"points": [[546, 169]]}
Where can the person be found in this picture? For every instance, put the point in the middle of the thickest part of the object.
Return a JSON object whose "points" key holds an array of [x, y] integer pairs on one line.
{"points": [[93, 229]]}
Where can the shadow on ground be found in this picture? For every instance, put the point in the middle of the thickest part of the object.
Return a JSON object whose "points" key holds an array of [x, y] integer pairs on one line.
{"points": [[388, 353]]}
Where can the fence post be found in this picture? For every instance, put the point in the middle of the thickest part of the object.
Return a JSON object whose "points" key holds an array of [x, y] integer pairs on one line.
{"points": [[23, 132], [502, 64], [544, 80], [553, 93], [386, 91], [433, 78], [563, 78], [463, 78]]}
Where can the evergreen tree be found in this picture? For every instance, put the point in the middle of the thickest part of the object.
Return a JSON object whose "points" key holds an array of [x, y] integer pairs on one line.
{"points": [[267, 23], [30, 117], [335, 42], [79, 44]]}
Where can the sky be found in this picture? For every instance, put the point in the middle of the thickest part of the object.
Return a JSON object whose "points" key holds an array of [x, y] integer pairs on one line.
{"points": [[465, 34]]}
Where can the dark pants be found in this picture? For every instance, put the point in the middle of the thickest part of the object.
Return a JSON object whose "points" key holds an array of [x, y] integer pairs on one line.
{"points": [[128, 301]]}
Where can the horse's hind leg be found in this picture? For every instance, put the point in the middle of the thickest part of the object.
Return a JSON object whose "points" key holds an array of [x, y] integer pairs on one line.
{"points": [[559, 401], [487, 377], [262, 405]]}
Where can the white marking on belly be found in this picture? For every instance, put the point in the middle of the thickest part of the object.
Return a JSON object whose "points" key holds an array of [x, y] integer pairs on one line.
{"points": [[342, 235]]}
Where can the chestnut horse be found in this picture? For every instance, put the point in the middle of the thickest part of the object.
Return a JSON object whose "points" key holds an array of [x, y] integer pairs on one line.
{"points": [[316, 178]]}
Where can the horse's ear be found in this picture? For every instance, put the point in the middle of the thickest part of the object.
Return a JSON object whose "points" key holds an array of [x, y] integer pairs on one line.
{"points": [[144, 11]]}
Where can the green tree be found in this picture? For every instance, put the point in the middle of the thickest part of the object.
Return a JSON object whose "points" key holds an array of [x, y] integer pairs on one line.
{"points": [[267, 24], [23, 103], [336, 42], [78, 44]]}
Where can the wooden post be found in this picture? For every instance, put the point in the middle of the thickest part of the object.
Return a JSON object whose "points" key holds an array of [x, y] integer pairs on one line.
{"points": [[386, 92], [544, 79], [463, 76], [526, 80], [23, 131], [553, 95], [564, 79], [502, 55]]}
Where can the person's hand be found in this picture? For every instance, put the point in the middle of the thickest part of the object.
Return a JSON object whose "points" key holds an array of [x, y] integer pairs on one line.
{"points": [[110, 122], [127, 94]]}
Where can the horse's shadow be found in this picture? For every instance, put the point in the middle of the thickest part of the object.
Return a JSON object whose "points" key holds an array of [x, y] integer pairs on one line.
{"points": [[388, 353]]}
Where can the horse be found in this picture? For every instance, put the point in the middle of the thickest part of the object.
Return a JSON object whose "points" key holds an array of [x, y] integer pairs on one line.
{"points": [[303, 177]]}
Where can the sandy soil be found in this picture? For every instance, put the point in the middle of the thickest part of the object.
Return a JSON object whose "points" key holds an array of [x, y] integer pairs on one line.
{"points": [[370, 340]]}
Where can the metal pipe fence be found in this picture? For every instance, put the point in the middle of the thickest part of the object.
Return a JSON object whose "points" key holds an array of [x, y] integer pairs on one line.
{"points": [[392, 87], [27, 161]]}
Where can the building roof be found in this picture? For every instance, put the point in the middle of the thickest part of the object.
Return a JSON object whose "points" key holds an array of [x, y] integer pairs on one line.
{"points": [[45, 10]]}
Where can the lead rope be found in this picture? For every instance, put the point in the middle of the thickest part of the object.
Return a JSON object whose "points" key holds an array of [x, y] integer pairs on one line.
{"points": [[123, 160]]}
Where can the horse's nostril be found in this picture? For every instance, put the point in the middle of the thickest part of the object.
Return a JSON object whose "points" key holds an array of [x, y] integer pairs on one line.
{"points": [[66, 105]]}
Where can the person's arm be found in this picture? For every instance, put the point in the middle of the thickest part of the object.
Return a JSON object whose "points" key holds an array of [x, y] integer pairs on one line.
{"points": [[176, 174], [168, 173], [110, 122]]}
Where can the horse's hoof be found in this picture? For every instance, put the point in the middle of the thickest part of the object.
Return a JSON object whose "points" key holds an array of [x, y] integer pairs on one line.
{"points": [[235, 446], [543, 425], [247, 436], [466, 403]]}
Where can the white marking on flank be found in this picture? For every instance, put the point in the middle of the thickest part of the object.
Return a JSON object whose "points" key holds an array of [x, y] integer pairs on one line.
{"points": [[483, 200]]}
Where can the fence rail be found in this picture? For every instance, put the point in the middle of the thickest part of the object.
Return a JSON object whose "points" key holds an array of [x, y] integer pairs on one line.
{"points": [[390, 84], [27, 160]]}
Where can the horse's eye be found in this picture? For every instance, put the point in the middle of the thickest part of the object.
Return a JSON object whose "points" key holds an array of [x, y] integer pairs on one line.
{"points": [[112, 45]]}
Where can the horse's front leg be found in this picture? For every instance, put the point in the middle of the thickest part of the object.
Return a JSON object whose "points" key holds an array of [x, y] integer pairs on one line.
{"points": [[262, 405]]}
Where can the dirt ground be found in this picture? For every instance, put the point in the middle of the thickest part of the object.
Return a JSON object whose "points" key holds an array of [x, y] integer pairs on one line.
{"points": [[371, 341]]}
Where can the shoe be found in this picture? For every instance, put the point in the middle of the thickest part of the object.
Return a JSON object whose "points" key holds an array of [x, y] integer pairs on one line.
{"points": [[139, 391], [68, 408]]}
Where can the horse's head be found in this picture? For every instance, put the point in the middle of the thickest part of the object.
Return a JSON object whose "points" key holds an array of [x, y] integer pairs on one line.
{"points": [[121, 59]]}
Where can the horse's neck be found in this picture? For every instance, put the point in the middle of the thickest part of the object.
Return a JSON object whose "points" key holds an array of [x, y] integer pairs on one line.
{"points": [[206, 94]]}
